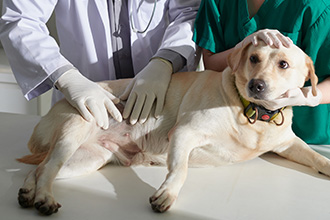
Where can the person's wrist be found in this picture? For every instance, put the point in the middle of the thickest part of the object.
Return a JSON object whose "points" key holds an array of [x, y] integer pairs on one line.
{"points": [[163, 62], [66, 77]]}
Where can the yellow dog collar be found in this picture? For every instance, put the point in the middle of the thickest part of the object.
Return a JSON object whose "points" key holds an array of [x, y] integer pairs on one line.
{"points": [[255, 112]]}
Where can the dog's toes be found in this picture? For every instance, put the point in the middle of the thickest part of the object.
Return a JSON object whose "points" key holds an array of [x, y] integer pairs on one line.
{"points": [[25, 197], [47, 208], [159, 208], [162, 200]]}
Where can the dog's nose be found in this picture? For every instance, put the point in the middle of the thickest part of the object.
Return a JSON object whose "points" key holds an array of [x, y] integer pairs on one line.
{"points": [[257, 86]]}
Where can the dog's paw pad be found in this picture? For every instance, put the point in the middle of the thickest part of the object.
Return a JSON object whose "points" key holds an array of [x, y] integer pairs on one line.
{"points": [[159, 208], [25, 197], [161, 201], [47, 208]]}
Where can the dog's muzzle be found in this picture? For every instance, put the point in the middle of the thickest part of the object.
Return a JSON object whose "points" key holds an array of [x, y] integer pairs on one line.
{"points": [[257, 88]]}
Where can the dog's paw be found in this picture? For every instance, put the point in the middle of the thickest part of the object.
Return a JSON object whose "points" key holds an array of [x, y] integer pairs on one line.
{"points": [[47, 205], [162, 200], [26, 197]]}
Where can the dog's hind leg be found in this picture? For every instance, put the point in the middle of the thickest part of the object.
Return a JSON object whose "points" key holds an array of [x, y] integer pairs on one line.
{"points": [[66, 141], [180, 146], [87, 159], [301, 153]]}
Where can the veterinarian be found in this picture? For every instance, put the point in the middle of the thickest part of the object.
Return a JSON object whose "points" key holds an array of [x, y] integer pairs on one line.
{"points": [[306, 23], [100, 40]]}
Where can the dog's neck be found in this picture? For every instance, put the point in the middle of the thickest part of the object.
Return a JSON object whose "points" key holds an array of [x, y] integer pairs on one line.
{"points": [[255, 112]]}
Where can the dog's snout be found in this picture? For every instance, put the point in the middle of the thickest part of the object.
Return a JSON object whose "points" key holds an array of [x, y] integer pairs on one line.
{"points": [[257, 87]]}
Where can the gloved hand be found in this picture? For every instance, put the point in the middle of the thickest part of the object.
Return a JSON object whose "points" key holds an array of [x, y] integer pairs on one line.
{"points": [[91, 100], [270, 37], [296, 97], [148, 85]]}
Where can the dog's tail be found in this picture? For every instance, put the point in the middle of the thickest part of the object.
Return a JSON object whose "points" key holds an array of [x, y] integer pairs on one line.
{"points": [[34, 159]]}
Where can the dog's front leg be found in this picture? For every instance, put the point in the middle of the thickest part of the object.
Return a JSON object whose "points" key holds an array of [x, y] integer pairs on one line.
{"points": [[26, 194], [301, 153], [180, 146]]}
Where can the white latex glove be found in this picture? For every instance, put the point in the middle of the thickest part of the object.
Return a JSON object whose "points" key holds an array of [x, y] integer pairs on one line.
{"points": [[91, 100], [296, 97], [148, 86], [270, 37]]}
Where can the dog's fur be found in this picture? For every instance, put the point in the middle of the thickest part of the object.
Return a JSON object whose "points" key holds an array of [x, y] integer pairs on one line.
{"points": [[202, 124]]}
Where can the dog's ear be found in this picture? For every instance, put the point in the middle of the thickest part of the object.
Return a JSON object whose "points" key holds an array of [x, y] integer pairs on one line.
{"points": [[311, 75], [235, 57]]}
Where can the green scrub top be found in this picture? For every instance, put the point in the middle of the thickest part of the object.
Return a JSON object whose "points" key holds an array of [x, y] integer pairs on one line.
{"points": [[221, 24]]}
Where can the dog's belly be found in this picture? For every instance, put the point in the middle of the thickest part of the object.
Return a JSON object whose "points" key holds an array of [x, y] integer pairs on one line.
{"points": [[137, 144]]}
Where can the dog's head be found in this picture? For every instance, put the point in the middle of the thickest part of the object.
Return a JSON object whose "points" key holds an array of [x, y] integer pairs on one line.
{"points": [[265, 73]]}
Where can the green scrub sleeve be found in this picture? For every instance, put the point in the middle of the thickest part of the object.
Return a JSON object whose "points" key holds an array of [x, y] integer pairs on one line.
{"points": [[313, 124], [208, 32]]}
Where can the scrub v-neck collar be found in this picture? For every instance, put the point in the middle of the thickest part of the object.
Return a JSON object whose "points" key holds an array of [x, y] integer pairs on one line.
{"points": [[247, 25]]}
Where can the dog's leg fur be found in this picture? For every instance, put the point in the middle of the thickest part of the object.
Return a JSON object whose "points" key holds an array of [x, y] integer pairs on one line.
{"points": [[180, 147], [66, 141], [26, 194], [301, 153]]}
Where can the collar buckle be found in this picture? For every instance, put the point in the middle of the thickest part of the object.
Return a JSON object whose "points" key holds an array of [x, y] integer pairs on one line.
{"points": [[254, 112]]}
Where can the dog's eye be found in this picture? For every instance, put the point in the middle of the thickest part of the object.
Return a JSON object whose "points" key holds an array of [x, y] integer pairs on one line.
{"points": [[283, 64], [254, 59]]}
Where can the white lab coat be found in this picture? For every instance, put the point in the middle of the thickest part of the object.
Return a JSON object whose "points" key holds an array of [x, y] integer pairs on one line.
{"points": [[85, 42]]}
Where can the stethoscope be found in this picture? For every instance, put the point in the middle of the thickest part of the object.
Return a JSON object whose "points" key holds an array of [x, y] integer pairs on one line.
{"points": [[131, 18]]}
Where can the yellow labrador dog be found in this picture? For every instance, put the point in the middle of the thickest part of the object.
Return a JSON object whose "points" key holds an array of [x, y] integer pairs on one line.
{"points": [[209, 119]]}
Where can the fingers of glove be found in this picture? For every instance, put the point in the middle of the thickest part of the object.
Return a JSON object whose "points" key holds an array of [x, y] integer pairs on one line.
{"points": [[85, 113], [159, 105], [127, 91], [104, 116], [112, 109], [292, 93], [111, 97], [286, 41], [129, 105], [147, 108], [312, 100], [274, 39], [98, 113], [264, 36], [249, 39], [137, 109], [254, 40]]}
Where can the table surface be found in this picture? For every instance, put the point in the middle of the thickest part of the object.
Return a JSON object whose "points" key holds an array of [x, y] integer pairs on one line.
{"points": [[268, 187]]}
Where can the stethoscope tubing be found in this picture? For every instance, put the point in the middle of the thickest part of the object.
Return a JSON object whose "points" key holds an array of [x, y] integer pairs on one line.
{"points": [[132, 22]]}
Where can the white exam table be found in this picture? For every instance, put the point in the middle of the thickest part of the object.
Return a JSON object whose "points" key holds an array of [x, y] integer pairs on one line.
{"points": [[265, 188]]}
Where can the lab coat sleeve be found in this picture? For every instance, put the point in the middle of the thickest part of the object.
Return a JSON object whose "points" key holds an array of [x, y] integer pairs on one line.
{"points": [[33, 54], [178, 35]]}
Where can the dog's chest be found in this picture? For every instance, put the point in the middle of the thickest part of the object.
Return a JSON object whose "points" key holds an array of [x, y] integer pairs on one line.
{"points": [[261, 137]]}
